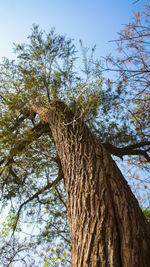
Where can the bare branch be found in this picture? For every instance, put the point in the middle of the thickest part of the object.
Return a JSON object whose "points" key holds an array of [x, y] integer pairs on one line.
{"points": [[136, 1], [120, 152], [39, 192], [140, 144], [60, 197]]}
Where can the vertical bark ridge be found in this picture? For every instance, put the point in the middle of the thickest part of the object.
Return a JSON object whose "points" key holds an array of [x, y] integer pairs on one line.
{"points": [[106, 224]]}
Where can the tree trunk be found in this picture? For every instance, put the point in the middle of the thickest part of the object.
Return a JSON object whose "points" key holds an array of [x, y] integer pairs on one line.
{"points": [[107, 226]]}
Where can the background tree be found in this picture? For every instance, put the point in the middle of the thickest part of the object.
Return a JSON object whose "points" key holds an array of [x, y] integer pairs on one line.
{"points": [[31, 172], [130, 72]]}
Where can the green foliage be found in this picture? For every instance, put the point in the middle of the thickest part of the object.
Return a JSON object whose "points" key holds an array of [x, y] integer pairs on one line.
{"points": [[7, 224], [52, 261], [147, 214], [45, 70]]}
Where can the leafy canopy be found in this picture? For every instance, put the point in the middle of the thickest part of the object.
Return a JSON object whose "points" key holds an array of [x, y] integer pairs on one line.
{"points": [[49, 68]]}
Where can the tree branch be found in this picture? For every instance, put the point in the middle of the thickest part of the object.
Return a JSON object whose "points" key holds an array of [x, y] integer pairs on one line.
{"points": [[128, 150], [39, 192], [143, 143], [60, 197], [35, 133]]}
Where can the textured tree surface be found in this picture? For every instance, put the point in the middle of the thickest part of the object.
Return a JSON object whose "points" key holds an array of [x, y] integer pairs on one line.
{"points": [[107, 226]]}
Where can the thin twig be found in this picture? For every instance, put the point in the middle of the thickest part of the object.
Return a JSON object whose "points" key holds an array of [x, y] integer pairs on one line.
{"points": [[39, 192]]}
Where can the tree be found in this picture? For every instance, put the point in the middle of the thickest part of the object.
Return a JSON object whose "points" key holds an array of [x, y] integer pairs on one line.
{"points": [[97, 197], [132, 67], [49, 133]]}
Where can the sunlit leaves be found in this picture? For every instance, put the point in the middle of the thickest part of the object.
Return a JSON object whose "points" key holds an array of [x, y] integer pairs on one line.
{"points": [[147, 214], [46, 69], [7, 224]]}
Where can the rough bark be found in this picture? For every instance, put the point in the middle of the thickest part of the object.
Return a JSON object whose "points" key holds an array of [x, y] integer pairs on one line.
{"points": [[107, 226]]}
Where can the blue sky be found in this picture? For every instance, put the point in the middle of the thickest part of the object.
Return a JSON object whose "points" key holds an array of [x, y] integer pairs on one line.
{"points": [[92, 21]]}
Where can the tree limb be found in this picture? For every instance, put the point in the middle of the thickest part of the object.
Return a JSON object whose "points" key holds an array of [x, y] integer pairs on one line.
{"points": [[128, 150], [39, 192], [143, 143], [60, 197], [35, 133]]}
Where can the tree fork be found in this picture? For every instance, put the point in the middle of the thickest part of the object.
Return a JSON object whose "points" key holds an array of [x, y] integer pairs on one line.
{"points": [[107, 226]]}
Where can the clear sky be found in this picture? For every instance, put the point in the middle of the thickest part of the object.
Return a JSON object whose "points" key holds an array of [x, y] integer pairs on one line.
{"points": [[92, 21]]}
